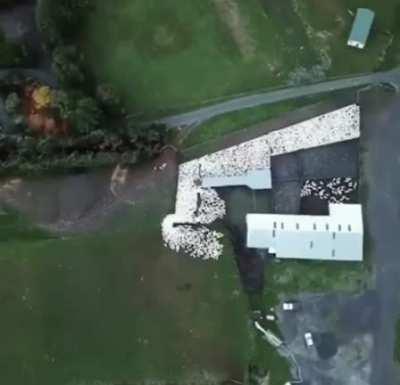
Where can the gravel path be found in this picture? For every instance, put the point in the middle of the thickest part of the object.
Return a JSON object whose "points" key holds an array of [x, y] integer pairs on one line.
{"points": [[205, 113]]}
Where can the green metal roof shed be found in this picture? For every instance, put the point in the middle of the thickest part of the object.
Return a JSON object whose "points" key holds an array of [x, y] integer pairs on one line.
{"points": [[361, 28]]}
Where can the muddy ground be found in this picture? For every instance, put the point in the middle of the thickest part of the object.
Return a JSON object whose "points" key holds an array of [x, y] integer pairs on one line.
{"points": [[85, 202]]}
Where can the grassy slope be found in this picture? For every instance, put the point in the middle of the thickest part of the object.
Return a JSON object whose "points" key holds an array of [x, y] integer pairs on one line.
{"points": [[198, 58], [264, 358], [113, 307], [182, 53], [292, 277], [234, 121], [333, 22], [218, 127], [268, 361]]}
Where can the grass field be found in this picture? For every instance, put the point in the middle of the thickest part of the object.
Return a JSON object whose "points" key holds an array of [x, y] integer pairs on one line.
{"points": [[225, 124], [293, 277], [176, 55], [118, 307], [329, 27], [181, 53]]}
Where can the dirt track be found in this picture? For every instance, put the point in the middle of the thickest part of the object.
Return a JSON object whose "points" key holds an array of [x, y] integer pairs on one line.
{"points": [[85, 202]]}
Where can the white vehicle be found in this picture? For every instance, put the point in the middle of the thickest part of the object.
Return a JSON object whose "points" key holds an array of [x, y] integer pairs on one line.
{"points": [[290, 306], [270, 317], [308, 338]]}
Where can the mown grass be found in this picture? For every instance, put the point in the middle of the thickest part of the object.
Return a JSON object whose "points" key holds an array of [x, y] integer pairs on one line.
{"points": [[293, 277], [266, 361], [177, 55], [231, 123], [182, 53], [235, 121], [15, 226], [118, 307]]}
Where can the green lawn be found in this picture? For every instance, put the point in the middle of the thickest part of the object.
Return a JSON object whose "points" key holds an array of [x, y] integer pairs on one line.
{"points": [[267, 361], [244, 120], [329, 28], [293, 277], [175, 55], [180, 53], [118, 307], [225, 124]]}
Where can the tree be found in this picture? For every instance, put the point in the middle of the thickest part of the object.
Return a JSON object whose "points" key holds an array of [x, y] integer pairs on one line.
{"points": [[87, 115], [11, 54], [61, 21], [12, 103], [68, 65], [27, 148], [46, 146], [42, 97], [109, 99], [81, 111], [64, 103]]}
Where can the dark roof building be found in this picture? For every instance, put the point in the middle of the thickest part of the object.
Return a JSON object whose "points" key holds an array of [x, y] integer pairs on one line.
{"points": [[361, 28]]}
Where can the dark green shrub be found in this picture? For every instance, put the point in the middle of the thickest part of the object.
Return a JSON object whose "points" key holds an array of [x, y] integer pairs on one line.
{"points": [[68, 65]]}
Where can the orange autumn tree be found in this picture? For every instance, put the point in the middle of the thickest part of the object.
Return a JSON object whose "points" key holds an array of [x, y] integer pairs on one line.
{"points": [[41, 117]]}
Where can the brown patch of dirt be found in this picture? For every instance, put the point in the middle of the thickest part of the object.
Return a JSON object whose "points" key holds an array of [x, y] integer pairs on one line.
{"points": [[131, 185], [84, 202], [229, 13]]}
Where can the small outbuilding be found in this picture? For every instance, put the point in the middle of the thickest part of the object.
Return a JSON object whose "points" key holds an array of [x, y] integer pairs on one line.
{"points": [[361, 28]]}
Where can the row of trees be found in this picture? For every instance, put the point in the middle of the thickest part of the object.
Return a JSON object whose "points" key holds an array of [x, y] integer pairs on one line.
{"points": [[99, 129], [88, 141], [26, 153]]}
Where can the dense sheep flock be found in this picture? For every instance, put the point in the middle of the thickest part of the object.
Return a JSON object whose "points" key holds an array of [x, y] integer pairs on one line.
{"points": [[202, 206], [335, 190]]}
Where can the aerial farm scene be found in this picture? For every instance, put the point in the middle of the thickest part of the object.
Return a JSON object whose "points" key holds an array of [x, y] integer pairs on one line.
{"points": [[199, 192]]}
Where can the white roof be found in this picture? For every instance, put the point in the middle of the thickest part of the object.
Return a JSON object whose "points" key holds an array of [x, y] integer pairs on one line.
{"points": [[255, 179], [337, 236]]}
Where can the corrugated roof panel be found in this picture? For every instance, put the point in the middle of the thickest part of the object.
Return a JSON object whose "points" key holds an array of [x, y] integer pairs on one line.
{"points": [[338, 236], [361, 27]]}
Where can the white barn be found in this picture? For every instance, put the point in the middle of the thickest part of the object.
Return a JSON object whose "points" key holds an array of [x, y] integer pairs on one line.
{"points": [[336, 237]]}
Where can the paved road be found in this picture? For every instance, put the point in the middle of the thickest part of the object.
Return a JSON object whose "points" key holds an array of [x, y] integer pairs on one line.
{"points": [[381, 140], [205, 113]]}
